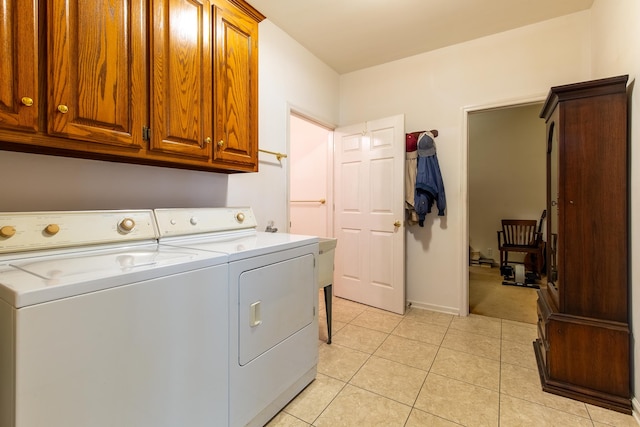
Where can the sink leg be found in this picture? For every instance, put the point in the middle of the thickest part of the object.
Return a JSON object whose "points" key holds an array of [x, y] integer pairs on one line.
{"points": [[328, 293]]}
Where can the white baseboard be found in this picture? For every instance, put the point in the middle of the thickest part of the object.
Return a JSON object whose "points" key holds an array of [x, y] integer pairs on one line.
{"points": [[635, 406], [433, 307]]}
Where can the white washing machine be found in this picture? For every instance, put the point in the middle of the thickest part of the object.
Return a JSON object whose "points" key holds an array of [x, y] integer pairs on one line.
{"points": [[273, 300], [102, 327]]}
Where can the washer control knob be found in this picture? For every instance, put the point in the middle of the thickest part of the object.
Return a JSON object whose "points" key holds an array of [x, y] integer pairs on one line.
{"points": [[7, 231], [126, 225], [193, 220], [52, 229], [240, 217]]}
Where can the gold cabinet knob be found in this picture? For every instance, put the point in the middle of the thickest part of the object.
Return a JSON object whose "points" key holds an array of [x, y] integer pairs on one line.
{"points": [[26, 101], [52, 229], [397, 224], [207, 140], [221, 143], [7, 231], [63, 109]]}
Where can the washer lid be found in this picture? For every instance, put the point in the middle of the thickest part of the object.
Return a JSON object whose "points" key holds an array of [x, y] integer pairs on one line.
{"points": [[33, 280]]}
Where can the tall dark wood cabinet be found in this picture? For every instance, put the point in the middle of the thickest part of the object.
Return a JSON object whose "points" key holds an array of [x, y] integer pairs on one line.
{"points": [[583, 349]]}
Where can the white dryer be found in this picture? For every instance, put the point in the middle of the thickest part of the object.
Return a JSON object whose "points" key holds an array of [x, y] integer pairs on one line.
{"points": [[273, 300], [100, 326]]}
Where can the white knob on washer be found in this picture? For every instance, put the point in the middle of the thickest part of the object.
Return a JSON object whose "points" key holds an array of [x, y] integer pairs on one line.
{"points": [[193, 220], [240, 217], [126, 225]]}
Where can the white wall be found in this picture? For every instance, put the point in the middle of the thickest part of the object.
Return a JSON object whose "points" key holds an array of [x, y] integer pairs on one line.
{"points": [[616, 51], [432, 90], [290, 78]]}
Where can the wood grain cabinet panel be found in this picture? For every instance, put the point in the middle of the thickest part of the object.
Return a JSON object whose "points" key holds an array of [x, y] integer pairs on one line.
{"points": [[182, 97], [236, 85], [96, 73], [19, 88], [583, 345]]}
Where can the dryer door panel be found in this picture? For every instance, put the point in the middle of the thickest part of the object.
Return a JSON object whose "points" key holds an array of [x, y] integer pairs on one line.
{"points": [[275, 301]]}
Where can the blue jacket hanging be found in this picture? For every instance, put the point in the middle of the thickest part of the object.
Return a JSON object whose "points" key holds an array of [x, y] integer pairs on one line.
{"points": [[429, 185]]}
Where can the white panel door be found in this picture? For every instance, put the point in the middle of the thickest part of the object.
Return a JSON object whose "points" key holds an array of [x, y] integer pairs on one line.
{"points": [[369, 213]]}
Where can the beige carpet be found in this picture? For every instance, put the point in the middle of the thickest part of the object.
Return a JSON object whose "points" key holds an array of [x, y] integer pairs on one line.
{"points": [[489, 297]]}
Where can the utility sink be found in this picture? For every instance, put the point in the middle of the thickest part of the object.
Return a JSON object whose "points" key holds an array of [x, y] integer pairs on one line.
{"points": [[325, 267]]}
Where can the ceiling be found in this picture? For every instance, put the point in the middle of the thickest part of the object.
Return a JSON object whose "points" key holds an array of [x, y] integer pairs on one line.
{"points": [[349, 35]]}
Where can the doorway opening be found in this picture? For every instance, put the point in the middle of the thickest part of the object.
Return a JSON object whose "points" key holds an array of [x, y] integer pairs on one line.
{"points": [[506, 180], [310, 176]]}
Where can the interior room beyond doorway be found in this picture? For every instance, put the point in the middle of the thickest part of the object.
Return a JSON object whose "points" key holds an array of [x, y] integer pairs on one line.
{"points": [[506, 180]]}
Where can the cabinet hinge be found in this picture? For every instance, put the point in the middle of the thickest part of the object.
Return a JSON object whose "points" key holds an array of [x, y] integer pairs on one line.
{"points": [[146, 133]]}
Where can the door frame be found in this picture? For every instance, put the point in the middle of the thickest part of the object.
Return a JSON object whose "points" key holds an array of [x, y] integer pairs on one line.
{"points": [[310, 117], [464, 185]]}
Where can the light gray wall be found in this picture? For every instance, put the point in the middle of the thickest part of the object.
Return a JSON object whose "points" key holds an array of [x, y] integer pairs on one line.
{"points": [[507, 172], [32, 182]]}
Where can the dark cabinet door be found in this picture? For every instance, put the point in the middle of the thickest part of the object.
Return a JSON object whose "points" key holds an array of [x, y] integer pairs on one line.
{"points": [[593, 207]]}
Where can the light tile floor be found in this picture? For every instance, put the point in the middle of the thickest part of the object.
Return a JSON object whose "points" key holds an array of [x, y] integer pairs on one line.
{"points": [[430, 369]]}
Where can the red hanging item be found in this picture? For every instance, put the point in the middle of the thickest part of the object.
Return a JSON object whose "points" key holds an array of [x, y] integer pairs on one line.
{"points": [[412, 141]]}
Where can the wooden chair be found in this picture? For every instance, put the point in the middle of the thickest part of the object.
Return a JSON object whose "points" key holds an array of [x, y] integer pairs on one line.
{"points": [[519, 235]]}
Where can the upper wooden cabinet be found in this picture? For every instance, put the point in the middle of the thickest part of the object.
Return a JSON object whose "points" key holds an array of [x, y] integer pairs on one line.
{"points": [[19, 91], [163, 82], [182, 97], [236, 85], [96, 71]]}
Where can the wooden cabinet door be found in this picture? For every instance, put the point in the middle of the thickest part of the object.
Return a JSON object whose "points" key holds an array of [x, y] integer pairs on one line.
{"points": [[181, 94], [19, 97], [236, 87], [97, 71]]}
